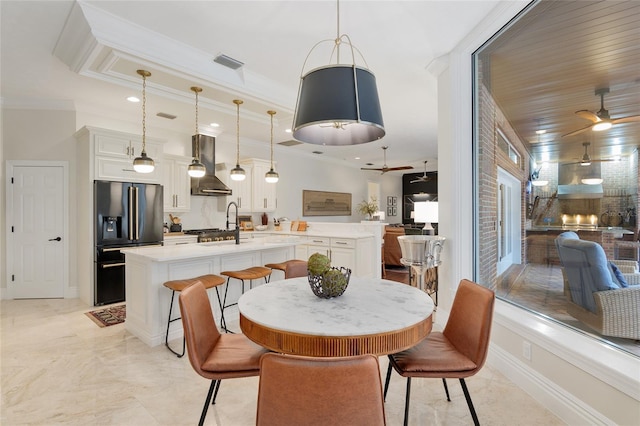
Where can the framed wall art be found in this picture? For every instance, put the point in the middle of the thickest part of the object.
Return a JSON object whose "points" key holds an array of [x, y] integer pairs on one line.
{"points": [[324, 203]]}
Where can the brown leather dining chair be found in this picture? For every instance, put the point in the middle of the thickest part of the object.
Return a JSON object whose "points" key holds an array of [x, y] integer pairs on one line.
{"points": [[459, 351], [296, 390], [213, 355]]}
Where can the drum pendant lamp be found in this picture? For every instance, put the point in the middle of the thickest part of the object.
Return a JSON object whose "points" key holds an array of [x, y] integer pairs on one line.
{"points": [[143, 164], [338, 103]]}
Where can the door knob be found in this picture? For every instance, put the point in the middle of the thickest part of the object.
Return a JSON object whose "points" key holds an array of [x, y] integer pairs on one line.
{"points": [[55, 239]]}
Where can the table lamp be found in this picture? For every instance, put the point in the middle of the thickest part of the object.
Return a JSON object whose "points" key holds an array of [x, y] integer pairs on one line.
{"points": [[426, 212]]}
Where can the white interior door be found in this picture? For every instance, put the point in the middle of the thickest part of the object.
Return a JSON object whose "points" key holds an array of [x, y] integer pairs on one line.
{"points": [[508, 221], [36, 225]]}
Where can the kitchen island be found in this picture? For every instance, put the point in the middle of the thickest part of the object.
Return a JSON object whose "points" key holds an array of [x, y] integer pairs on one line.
{"points": [[148, 268]]}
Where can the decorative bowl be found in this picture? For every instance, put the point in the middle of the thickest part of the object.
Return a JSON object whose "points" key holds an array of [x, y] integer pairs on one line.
{"points": [[260, 227], [330, 284]]}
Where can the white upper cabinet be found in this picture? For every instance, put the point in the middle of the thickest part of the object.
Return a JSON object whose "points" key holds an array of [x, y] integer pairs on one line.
{"points": [[241, 190], [177, 183], [254, 194], [264, 193], [112, 154]]}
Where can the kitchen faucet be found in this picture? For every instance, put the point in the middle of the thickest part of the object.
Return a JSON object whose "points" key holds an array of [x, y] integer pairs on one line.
{"points": [[236, 231]]}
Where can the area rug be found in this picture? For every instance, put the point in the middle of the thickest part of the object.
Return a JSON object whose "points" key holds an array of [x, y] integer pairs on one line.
{"points": [[108, 316]]}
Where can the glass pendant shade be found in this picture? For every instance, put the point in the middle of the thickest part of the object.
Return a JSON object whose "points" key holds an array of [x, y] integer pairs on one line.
{"points": [[271, 176], [602, 125], [143, 163], [196, 169], [237, 173]]}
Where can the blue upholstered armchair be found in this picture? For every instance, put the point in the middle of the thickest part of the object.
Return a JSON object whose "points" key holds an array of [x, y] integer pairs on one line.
{"points": [[598, 293]]}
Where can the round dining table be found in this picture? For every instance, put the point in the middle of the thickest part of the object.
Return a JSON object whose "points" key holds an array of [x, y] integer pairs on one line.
{"points": [[373, 316]]}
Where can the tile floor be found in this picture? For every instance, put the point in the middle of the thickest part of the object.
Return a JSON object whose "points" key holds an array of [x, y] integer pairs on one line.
{"points": [[58, 367]]}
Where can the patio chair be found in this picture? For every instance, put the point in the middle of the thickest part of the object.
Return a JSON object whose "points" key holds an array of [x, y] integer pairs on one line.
{"points": [[596, 296]]}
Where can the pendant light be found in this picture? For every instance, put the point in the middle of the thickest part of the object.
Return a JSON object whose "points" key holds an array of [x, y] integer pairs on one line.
{"points": [[338, 103], [271, 176], [143, 164], [196, 169], [237, 173]]}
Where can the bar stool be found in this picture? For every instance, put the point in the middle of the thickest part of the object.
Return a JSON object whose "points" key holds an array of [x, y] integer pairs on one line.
{"points": [[292, 268], [209, 281], [253, 273]]}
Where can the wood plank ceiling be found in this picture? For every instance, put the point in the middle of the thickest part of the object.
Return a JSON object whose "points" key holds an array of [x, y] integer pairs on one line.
{"points": [[548, 65]]}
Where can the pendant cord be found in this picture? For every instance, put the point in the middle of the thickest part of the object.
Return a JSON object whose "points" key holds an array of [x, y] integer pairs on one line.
{"points": [[237, 102], [144, 112], [271, 113], [338, 31]]}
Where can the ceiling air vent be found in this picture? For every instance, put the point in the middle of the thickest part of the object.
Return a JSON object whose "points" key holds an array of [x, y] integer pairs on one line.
{"points": [[228, 62], [165, 115]]}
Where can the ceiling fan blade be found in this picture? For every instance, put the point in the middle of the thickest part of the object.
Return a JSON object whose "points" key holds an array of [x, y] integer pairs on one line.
{"points": [[628, 119], [577, 132], [588, 115], [372, 168], [390, 169]]}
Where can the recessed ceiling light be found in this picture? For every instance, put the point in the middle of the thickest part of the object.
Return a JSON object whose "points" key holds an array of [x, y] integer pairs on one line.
{"points": [[541, 132], [356, 158], [214, 125], [288, 130], [133, 99]]}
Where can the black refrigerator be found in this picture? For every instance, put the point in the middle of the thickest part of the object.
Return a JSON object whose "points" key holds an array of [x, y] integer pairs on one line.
{"points": [[126, 215]]}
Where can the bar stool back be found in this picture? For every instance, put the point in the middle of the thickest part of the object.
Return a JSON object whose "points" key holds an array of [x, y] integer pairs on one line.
{"points": [[209, 281], [253, 273], [292, 268]]}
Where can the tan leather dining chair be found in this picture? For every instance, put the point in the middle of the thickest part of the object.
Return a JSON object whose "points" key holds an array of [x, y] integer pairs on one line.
{"points": [[459, 351], [309, 391], [213, 355]]}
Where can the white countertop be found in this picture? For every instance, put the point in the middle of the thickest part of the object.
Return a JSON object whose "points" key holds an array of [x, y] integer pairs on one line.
{"points": [[368, 306], [191, 251], [310, 233]]}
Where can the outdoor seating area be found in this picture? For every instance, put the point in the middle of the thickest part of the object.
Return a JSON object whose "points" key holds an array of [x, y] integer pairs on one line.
{"points": [[599, 293]]}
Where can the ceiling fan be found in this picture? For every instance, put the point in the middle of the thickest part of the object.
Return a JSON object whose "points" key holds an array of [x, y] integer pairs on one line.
{"points": [[586, 158], [424, 177], [600, 120], [384, 169]]}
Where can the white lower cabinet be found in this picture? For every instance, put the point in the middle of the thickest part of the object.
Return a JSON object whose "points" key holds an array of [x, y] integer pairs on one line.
{"points": [[353, 253]]}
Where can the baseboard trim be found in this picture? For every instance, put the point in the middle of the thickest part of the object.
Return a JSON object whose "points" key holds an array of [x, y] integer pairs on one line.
{"points": [[568, 408]]}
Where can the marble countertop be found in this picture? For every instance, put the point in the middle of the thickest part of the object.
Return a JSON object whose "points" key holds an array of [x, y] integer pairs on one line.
{"points": [[368, 306], [311, 233], [190, 251]]}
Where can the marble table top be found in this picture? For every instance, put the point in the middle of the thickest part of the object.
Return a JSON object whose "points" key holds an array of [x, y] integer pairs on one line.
{"points": [[370, 307]]}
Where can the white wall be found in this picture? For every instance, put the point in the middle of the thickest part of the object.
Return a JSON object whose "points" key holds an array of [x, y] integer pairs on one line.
{"points": [[43, 135]]}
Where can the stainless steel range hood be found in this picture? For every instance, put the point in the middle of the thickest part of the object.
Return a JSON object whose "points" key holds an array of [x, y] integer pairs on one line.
{"points": [[209, 184], [570, 184]]}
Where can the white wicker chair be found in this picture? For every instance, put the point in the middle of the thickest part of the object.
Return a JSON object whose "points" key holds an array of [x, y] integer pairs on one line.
{"points": [[614, 312]]}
